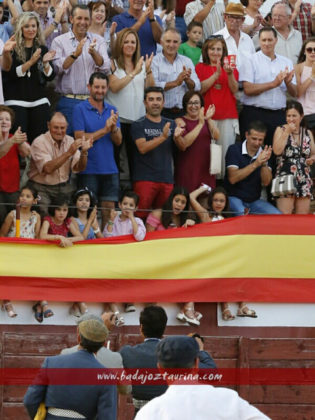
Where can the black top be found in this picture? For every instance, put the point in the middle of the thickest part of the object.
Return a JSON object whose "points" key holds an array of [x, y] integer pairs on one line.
{"points": [[29, 87]]}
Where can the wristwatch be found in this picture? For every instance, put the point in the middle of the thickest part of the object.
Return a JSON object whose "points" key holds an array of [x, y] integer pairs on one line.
{"points": [[73, 56], [152, 20]]}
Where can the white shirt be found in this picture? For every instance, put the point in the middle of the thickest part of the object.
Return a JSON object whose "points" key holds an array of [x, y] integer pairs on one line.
{"points": [[244, 49], [212, 23], [259, 68], [164, 71], [200, 402], [289, 47], [129, 100]]}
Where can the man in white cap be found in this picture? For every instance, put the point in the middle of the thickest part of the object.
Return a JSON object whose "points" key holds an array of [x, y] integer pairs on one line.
{"points": [[193, 401]]}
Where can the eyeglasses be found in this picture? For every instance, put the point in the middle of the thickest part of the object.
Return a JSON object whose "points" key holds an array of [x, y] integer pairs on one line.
{"points": [[194, 103], [215, 37], [310, 50], [279, 16]]}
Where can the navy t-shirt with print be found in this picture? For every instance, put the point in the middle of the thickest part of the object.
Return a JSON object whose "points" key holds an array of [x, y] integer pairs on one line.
{"points": [[156, 165]]}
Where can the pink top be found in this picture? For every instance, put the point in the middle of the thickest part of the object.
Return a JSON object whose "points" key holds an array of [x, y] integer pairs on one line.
{"points": [[124, 227], [54, 229], [155, 222], [308, 99]]}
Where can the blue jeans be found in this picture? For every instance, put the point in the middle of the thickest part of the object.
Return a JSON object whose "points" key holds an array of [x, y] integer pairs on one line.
{"points": [[255, 207], [66, 106], [181, 27], [104, 187]]}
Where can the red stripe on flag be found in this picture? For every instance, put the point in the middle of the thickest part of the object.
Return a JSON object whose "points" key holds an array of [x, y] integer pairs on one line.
{"points": [[296, 290]]}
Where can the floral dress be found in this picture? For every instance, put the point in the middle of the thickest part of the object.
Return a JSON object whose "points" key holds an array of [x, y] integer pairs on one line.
{"points": [[27, 229], [292, 161]]}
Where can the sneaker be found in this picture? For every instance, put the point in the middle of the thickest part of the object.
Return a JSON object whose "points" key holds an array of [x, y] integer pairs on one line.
{"points": [[130, 308]]}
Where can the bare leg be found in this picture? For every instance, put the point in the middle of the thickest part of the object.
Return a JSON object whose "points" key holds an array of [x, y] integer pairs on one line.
{"points": [[302, 205], [226, 313], [286, 204]]}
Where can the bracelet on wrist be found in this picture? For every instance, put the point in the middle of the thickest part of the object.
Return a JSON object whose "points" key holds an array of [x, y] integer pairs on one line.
{"points": [[110, 223], [96, 231], [55, 24], [152, 20], [73, 56]]}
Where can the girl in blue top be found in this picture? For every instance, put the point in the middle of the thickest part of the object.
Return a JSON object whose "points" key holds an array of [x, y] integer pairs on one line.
{"points": [[85, 216]]}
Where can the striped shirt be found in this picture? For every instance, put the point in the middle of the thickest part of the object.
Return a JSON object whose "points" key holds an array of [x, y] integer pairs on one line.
{"points": [[164, 72], [74, 80]]}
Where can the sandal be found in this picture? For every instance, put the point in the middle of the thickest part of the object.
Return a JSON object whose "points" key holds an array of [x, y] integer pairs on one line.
{"points": [[8, 308], [119, 319], [198, 315], [48, 313], [130, 307], [227, 315], [82, 308], [244, 311], [188, 315], [75, 311], [38, 312]]}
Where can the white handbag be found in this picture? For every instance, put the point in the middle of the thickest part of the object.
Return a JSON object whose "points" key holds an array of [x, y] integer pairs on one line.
{"points": [[215, 158]]}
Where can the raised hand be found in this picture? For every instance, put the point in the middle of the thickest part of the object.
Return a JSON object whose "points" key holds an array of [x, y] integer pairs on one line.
{"points": [[280, 77], [178, 131], [290, 74], [201, 116], [19, 137], [10, 44], [35, 56], [166, 130], [144, 16], [79, 48], [86, 144], [151, 9], [49, 56], [92, 46], [139, 65], [218, 70], [148, 62], [210, 112], [112, 214], [75, 146], [112, 29]]}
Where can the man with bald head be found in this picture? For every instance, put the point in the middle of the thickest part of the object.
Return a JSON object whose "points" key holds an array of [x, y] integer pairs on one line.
{"points": [[53, 156]]}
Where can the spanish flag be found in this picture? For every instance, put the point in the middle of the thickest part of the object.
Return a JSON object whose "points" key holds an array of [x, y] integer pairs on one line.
{"points": [[250, 258]]}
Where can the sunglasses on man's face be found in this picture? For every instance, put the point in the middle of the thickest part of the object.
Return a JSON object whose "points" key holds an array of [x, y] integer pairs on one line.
{"points": [[310, 50]]}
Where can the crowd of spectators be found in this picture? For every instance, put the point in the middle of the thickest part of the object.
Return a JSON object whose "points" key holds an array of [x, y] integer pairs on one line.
{"points": [[106, 103]]}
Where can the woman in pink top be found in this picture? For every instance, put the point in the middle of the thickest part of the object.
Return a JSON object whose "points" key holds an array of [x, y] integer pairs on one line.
{"points": [[305, 78]]}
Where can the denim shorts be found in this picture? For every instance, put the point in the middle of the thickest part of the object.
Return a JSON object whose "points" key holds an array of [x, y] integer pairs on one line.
{"points": [[104, 187]]}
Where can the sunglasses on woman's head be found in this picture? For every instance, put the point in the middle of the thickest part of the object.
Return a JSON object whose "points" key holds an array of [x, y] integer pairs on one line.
{"points": [[215, 37]]}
